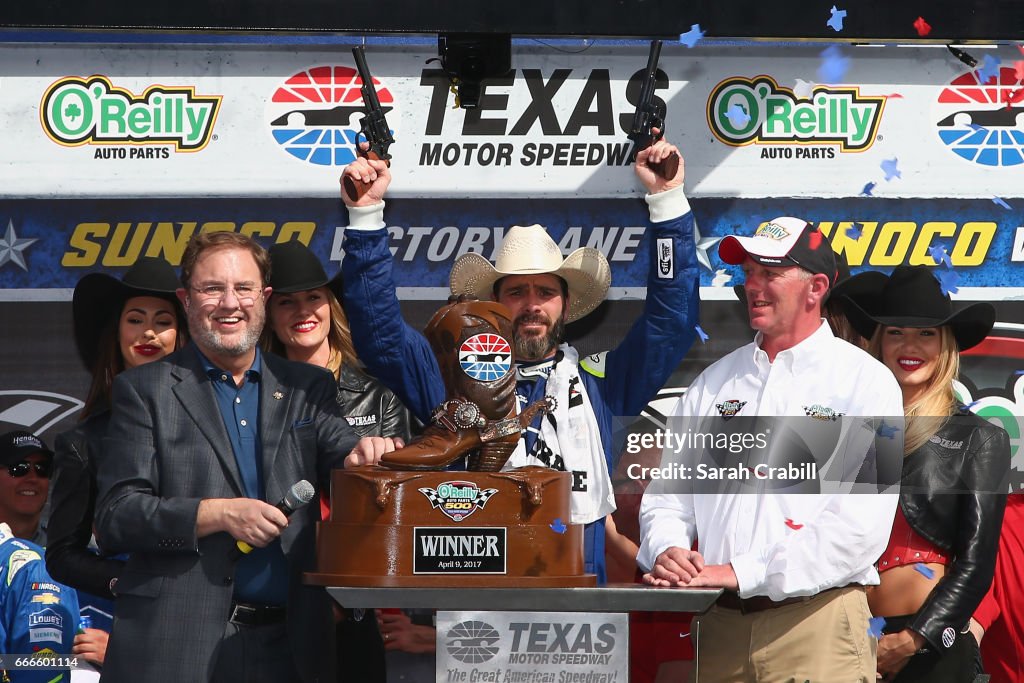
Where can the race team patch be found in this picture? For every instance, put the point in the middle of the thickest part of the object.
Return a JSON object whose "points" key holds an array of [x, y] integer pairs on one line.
{"points": [[728, 409]]}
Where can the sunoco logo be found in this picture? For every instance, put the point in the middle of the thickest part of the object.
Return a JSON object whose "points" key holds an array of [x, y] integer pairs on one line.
{"points": [[311, 114], [458, 499], [833, 115], [77, 111], [976, 123], [472, 642]]}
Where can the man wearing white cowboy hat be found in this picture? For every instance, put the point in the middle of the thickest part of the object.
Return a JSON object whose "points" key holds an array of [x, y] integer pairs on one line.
{"points": [[543, 292]]}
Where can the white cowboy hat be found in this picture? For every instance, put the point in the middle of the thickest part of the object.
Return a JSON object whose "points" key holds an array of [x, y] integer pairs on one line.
{"points": [[529, 250]]}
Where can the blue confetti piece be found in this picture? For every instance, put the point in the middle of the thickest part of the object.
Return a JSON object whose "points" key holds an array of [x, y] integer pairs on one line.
{"points": [[947, 281], [737, 116], [887, 431], [868, 188], [1001, 202], [702, 334], [875, 626], [971, 405], [834, 65], [976, 127], [558, 526], [1018, 372], [940, 255], [890, 169], [853, 232], [691, 37], [989, 69], [835, 22], [925, 570]]}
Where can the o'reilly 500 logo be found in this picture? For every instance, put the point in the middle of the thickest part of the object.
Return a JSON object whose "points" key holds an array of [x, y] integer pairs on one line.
{"points": [[77, 111], [769, 113]]}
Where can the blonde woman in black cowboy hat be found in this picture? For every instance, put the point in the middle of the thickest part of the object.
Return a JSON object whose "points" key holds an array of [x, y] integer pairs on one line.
{"points": [[942, 550], [119, 324], [308, 324]]}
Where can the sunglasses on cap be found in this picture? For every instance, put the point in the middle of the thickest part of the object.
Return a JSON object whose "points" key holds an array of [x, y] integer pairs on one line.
{"points": [[20, 469]]}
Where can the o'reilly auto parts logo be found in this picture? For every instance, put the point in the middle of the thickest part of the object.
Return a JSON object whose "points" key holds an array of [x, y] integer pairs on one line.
{"points": [[78, 111], [312, 114], [458, 499], [743, 111]]}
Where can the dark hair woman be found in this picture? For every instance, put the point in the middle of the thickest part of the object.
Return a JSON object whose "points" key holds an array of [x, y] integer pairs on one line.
{"points": [[942, 549], [119, 324]]}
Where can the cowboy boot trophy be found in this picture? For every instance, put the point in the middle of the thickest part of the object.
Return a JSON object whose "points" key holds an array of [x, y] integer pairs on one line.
{"points": [[471, 340]]}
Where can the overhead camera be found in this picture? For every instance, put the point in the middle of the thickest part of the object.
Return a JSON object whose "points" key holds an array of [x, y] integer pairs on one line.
{"points": [[469, 58]]}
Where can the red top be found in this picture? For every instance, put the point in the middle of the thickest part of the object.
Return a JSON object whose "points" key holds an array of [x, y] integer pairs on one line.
{"points": [[1000, 614], [906, 546]]}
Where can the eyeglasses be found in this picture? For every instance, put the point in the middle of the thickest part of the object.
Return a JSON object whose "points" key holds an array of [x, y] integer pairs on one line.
{"points": [[213, 294], [20, 469]]}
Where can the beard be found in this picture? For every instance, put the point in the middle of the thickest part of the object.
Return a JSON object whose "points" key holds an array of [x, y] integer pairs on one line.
{"points": [[537, 346], [207, 338]]}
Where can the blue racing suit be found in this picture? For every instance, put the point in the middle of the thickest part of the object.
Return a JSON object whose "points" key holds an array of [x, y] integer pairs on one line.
{"points": [[619, 382], [38, 616]]}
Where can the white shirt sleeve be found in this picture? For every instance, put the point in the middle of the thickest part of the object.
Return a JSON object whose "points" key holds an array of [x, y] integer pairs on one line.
{"points": [[668, 519], [366, 217]]}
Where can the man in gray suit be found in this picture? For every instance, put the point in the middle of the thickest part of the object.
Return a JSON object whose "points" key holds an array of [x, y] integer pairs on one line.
{"points": [[199, 448]]}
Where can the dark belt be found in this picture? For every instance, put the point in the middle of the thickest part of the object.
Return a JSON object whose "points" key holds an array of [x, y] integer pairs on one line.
{"points": [[760, 603], [248, 614]]}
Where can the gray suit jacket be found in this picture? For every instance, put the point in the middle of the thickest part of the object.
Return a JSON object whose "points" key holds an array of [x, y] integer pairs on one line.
{"points": [[166, 449]]}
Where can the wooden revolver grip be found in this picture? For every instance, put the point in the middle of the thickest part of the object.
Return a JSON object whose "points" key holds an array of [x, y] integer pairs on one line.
{"points": [[354, 190]]}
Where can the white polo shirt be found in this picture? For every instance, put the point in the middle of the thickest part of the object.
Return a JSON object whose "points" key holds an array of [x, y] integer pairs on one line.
{"points": [[782, 544]]}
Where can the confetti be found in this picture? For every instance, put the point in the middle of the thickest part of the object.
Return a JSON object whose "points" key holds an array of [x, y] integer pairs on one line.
{"points": [[922, 26], [853, 232], [803, 89], [793, 525], [737, 116], [1001, 202], [947, 281], [836, 21], [887, 431], [721, 278], [867, 189], [890, 170], [925, 570], [970, 405], [702, 334], [895, 96], [834, 65], [989, 69], [976, 127], [875, 626], [558, 526], [939, 254], [690, 38]]}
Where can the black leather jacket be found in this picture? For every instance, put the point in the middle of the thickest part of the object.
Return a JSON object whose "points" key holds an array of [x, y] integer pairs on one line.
{"points": [[72, 505], [953, 493], [370, 408]]}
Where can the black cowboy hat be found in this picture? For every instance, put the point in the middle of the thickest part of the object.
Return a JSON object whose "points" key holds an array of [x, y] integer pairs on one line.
{"points": [[99, 297], [295, 268], [911, 297]]}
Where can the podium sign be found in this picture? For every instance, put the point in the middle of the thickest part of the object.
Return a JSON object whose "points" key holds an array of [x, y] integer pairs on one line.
{"points": [[540, 647]]}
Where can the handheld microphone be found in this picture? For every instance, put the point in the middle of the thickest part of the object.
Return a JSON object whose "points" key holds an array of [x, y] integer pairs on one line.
{"points": [[298, 496]]}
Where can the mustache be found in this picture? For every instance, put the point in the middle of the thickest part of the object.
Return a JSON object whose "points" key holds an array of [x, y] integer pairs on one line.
{"points": [[532, 318]]}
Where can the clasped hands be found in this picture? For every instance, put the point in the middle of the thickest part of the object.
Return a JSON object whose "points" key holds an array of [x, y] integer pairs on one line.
{"points": [[677, 567]]}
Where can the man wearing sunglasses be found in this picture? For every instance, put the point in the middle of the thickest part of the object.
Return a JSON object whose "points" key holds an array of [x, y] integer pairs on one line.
{"points": [[38, 616], [25, 466]]}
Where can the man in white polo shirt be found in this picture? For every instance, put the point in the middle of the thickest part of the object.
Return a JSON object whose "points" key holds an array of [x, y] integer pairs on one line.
{"points": [[793, 565]]}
